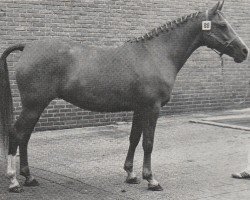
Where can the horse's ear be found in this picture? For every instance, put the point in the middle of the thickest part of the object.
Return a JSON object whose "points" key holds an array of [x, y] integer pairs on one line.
{"points": [[221, 5], [216, 7]]}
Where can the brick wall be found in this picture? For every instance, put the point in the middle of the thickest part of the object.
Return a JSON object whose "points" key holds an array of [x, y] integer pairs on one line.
{"points": [[200, 85]]}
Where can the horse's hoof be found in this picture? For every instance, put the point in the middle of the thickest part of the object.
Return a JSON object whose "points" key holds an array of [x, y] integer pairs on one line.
{"points": [[155, 187], [134, 180], [32, 183], [16, 189]]}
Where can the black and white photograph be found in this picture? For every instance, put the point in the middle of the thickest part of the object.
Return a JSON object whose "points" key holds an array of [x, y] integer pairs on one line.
{"points": [[124, 100]]}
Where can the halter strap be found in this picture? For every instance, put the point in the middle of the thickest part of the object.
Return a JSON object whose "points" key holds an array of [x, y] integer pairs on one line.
{"points": [[207, 15]]}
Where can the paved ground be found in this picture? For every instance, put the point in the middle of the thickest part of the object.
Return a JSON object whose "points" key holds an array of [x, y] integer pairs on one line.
{"points": [[191, 161]]}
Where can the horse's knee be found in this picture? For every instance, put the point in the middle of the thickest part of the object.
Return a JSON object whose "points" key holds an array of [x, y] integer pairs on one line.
{"points": [[147, 146]]}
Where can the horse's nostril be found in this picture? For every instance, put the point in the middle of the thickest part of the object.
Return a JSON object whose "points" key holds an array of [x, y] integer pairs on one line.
{"points": [[245, 51]]}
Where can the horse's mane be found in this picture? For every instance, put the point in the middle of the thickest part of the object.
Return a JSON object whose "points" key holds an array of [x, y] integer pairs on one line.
{"points": [[165, 27]]}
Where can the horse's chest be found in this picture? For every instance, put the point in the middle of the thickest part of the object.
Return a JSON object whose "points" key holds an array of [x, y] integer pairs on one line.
{"points": [[164, 91], [157, 90]]}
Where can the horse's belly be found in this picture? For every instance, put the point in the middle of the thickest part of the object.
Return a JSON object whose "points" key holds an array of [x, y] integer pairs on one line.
{"points": [[101, 105], [100, 100]]}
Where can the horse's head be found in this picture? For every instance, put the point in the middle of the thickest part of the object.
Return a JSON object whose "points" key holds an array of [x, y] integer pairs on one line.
{"points": [[221, 36]]}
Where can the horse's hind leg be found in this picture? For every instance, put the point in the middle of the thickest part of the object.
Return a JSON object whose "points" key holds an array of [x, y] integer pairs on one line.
{"points": [[11, 165], [22, 132], [134, 139]]}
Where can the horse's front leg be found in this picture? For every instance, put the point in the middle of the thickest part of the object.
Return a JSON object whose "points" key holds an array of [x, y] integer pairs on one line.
{"points": [[134, 139], [148, 126]]}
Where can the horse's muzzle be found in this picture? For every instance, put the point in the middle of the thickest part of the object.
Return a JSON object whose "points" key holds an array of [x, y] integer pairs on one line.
{"points": [[240, 51], [243, 56]]}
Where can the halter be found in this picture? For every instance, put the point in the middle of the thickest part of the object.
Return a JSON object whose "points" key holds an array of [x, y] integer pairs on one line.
{"points": [[225, 44]]}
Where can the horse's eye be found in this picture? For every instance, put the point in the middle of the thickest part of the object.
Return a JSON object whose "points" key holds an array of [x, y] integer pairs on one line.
{"points": [[223, 25]]}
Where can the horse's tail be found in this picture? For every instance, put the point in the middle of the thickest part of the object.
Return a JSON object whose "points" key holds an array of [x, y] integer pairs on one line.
{"points": [[6, 104]]}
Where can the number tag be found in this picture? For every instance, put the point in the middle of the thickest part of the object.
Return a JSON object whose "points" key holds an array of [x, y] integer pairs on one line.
{"points": [[206, 25]]}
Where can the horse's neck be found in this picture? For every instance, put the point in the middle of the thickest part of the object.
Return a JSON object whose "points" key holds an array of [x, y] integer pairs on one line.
{"points": [[179, 44]]}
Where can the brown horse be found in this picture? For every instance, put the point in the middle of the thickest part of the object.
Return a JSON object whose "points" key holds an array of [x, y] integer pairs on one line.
{"points": [[136, 76]]}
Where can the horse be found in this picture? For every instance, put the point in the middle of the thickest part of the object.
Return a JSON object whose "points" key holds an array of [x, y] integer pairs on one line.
{"points": [[136, 76]]}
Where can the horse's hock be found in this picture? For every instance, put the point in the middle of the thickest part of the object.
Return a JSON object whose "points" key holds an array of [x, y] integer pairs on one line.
{"points": [[200, 85]]}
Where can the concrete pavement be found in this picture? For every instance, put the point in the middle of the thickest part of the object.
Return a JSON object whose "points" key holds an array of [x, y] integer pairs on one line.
{"points": [[191, 162]]}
